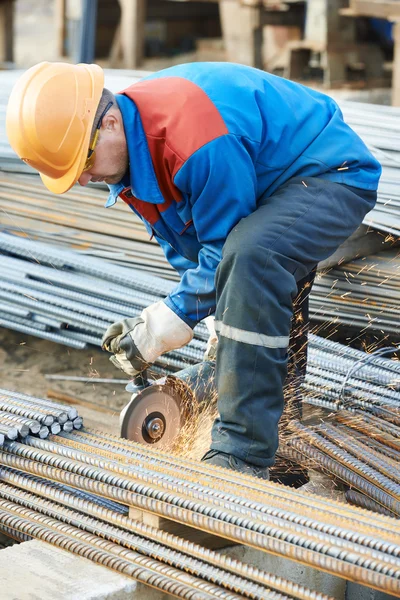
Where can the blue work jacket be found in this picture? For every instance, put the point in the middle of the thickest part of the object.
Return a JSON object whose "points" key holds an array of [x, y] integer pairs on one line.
{"points": [[207, 142]]}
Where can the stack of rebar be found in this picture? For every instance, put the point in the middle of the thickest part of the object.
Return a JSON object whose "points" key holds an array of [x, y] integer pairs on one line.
{"points": [[356, 448], [22, 415], [326, 535], [363, 294], [62, 296], [340, 375], [79, 222], [378, 126], [355, 438]]}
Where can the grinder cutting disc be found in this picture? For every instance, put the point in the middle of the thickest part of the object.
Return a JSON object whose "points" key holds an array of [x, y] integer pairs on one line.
{"points": [[155, 415]]}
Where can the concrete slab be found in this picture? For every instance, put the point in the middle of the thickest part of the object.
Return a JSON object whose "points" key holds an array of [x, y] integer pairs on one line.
{"points": [[288, 569], [355, 591], [37, 571]]}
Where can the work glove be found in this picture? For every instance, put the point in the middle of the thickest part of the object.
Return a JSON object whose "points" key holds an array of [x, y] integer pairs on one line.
{"points": [[136, 343], [211, 349]]}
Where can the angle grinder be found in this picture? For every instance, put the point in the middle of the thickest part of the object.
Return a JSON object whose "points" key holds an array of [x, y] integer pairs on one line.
{"points": [[158, 410]]}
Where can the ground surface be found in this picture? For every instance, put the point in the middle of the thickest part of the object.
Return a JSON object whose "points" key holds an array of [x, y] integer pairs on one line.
{"points": [[25, 360]]}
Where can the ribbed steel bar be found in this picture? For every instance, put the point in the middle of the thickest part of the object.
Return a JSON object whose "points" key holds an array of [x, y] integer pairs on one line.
{"points": [[364, 502], [85, 264], [36, 411], [18, 408], [329, 361], [45, 307], [33, 426], [256, 511], [329, 465], [6, 420], [127, 562], [72, 303], [348, 352], [58, 408], [14, 310], [384, 411], [358, 449], [26, 322], [223, 523], [14, 534], [365, 442], [387, 485], [44, 431], [221, 479], [46, 335], [364, 387], [10, 432], [132, 298], [382, 449], [389, 428], [88, 506], [129, 540], [359, 422]]}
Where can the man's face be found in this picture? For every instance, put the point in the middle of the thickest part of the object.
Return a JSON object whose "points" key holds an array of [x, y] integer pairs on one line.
{"points": [[111, 153]]}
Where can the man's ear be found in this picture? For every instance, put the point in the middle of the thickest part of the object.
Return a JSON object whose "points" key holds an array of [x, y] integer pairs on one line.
{"points": [[110, 123]]}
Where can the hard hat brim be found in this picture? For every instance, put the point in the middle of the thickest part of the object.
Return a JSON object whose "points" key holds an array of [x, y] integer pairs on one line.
{"points": [[62, 184], [65, 183]]}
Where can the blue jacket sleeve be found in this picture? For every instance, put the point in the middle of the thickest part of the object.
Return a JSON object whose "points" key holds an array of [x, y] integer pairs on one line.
{"points": [[220, 182], [178, 262]]}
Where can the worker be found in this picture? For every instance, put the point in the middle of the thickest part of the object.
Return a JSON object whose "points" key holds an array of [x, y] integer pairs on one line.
{"points": [[245, 179]]}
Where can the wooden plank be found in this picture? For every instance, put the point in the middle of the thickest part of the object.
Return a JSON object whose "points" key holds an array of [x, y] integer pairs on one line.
{"points": [[133, 14], [382, 9], [238, 25], [6, 31], [60, 25], [187, 533], [396, 66]]}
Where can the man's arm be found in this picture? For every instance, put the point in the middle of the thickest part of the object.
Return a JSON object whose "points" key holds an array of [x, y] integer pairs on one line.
{"points": [[177, 261], [220, 181]]}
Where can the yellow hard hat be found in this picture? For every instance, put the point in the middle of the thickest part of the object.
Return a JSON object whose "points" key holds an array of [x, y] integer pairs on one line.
{"points": [[49, 120]]}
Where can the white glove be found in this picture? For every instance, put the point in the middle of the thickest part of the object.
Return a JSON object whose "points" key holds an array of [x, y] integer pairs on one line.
{"points": [[137, 343], [211, 349]]}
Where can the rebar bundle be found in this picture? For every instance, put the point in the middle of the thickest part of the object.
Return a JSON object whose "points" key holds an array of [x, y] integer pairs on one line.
{"points": [[363, 294], [22, 415], [60, 295], [357, 439], [79, 222], [272, 518]]}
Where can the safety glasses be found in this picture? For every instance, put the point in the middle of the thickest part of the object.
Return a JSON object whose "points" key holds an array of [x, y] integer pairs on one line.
{"points": [[91, 157]]}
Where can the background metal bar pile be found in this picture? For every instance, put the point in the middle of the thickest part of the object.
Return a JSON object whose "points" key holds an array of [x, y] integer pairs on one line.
{"points": [[79, 221], [356, 439], [62, 296], [342, 374], [22, 415], [363, 294], [377, 125], [264, 515]]}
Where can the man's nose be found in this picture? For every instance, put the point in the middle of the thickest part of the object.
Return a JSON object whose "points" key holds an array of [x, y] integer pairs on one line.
{"points": [[84, 179]]}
